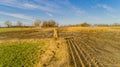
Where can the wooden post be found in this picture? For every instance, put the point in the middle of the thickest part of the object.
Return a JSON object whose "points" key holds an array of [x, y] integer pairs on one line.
{"points": [[55, 33]]}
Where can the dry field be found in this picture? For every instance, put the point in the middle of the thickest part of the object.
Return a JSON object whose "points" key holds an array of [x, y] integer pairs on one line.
{"points": [[75, 47], [31, 48], [92, 47]]}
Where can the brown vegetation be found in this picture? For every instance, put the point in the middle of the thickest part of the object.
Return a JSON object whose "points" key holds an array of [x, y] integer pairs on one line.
{"points": [[75, 46]]}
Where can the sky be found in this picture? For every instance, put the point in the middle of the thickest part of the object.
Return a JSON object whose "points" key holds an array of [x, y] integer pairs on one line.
{"points": [[62, 11]]}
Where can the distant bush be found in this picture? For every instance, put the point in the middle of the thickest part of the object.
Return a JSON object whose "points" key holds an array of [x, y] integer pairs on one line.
{"points": [[85, 24], [50, 23]]}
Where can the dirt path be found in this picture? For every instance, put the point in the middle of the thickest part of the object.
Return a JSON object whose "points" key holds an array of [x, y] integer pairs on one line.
{"points": [[55, 55]]}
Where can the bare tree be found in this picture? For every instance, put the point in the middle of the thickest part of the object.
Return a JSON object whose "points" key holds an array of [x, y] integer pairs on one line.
{"points": [[44, 24], [8, 23], [37, 23], [52, 23], [19, 24]]}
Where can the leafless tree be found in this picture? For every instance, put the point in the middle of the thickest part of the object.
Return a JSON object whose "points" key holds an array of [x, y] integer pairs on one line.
{"points": [[37, 23], [19, 24], [8, 23]]}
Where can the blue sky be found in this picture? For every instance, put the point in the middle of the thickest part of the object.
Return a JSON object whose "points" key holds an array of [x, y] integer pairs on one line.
{"points": [[63, 11]]}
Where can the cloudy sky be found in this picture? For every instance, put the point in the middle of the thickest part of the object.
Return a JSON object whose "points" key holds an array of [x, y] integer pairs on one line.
{"points": [[63, 11]]}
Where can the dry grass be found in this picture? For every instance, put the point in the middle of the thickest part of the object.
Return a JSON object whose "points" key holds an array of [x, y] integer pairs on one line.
{"points": [[15, 29], [55, 55], [90, 29]]}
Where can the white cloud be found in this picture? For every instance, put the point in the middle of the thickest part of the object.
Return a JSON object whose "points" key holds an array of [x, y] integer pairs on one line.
{"points": [[72, 8], [8, 1], [111, 15], [49, 14], [29, 6], [106, 7], [61, 7], [42, 5], [54, 6], [78, 11], [21, 16]]}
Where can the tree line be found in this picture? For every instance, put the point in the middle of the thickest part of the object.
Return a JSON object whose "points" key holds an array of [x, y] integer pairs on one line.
{"points": [[36, 23], [53, 23], [85, 24]]}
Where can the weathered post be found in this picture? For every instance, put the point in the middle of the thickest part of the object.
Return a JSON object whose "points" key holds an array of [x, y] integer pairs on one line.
{"points": [[55, 33]]}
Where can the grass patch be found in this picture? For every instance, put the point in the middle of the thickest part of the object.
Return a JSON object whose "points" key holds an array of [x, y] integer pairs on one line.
{"points": [[15, 29], [20, 54]]}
